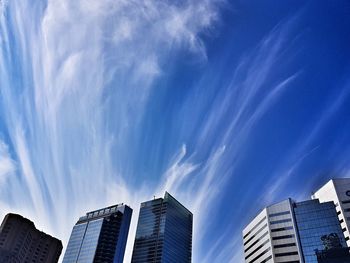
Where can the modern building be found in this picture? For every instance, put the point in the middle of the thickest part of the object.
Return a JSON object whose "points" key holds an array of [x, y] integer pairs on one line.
{"points": [[272, 236], [100, 236], [164, 232], [290, 232], [316, 223], [21, 242], [338, 191]]}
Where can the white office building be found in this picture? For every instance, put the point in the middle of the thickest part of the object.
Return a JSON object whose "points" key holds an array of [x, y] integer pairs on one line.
{"points": [[272, 236], [295, 232], [338, 191]]}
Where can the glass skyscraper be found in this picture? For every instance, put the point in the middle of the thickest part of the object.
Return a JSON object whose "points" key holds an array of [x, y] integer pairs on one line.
{"points": [[100, 236], [315, 223], [338, 191], [164, 232]]}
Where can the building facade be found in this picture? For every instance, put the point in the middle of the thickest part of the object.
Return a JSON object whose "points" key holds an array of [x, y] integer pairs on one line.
{"points": [[164, 232], [338, 191], [291, 232], [316, 222], [21, 242], [272, 236], [100, 236]]}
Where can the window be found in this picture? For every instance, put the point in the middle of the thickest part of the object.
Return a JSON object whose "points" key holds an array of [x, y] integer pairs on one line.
{"points": [[285, 245], [267, 259], [261, 229], [256, 241], [257, 248], [260, 255], [282, 229], [286, 254], [280, 221], [282, 237], [280, 214], [262, 220]]}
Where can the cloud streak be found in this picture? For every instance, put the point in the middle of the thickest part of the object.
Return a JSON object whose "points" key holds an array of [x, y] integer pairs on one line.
{"points": [[75, 78], [79, 81]]}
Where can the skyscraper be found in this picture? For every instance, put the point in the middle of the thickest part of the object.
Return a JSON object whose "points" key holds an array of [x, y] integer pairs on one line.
{"points": [[272, 236], [20, 241], [100, 236], [291, 232], [338, 191], [316, 223], [164, 232]]}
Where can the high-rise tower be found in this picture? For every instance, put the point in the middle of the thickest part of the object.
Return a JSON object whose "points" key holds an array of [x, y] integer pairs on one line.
{"points": [[20, 241], [338, 191], [303, 232], [164, 232], [100, 236]]}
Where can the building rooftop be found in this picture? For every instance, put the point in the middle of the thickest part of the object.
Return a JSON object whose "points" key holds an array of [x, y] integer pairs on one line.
{"points": [[27, 221], [103, 212]]}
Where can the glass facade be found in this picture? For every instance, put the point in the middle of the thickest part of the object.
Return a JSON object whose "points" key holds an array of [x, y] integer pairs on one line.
{"points": [[164, 232], [74, 244], [100, 236], [90, 241], [316, 221]]}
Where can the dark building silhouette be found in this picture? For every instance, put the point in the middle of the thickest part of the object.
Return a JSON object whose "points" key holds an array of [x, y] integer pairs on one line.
{"points": [[100, 236], [336, 255], [21, 242], [164, 232], [333, 251]]}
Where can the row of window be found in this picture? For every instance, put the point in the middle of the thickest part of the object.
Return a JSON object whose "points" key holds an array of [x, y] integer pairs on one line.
{"points": [[255, 250], [266, 259], [286, 254], [285, 245], [260, 255], [282, 237], [252, 237], [256, 241], [262, 220], [279, 214], [280, 221], [282, 229]]}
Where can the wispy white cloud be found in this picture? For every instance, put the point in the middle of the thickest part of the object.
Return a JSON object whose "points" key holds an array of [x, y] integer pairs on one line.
{"points": [[59, 128], [75, 78], [241, 106], [7, 164], [285, 171]]}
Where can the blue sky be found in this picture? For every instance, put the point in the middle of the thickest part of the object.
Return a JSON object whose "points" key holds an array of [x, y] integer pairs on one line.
{"points": [[228, 105]]}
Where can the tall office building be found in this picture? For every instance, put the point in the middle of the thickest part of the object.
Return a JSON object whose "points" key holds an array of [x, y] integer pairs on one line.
{"points": [[100, 236], [291, 232], [315, 223], [338, 191], [272, 236], [21, 242], [164, 232]]}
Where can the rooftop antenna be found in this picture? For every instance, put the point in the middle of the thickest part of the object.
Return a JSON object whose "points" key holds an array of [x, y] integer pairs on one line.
{"points": [[154, 197]]}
